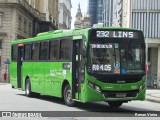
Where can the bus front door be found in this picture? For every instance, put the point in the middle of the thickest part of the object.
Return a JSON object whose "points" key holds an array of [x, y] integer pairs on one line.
{"points": [[19, 65], [77, 68]]}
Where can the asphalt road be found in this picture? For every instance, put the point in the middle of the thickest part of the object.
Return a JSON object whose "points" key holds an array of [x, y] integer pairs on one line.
{"points": [[15, 100]]}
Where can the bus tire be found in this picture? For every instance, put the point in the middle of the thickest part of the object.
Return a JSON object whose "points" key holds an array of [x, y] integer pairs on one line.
{"points": [[67, 95], [12, 86], [28, 88], [115, 104]]}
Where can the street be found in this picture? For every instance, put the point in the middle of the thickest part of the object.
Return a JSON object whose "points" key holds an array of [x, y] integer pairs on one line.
{"points": [[15, 100]]}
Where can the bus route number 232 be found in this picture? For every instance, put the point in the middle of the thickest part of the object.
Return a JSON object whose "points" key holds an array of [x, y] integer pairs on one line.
{"points": [[102, 33]]}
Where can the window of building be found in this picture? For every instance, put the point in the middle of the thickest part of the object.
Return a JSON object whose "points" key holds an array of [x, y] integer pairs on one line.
{"points": [[35, 51], [54, 50], [65, 49], [30, 29], [37, 31], [44, 50], [0, 61], [27, 54], [0, 44], [25, 23], [14, 52], [19, 23], [0, 19]]}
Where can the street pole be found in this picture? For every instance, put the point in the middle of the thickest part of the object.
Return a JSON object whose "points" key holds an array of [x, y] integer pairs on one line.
{"points": [[147, 42]]}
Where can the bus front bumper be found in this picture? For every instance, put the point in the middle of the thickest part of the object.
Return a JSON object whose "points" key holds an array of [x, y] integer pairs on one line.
{"points": [[129, 95]]}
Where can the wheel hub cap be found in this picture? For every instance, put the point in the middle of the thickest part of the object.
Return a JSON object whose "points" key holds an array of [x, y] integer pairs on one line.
{"points": [[68, 96]]}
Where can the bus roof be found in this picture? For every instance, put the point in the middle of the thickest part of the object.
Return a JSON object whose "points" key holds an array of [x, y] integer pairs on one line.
{"points": [[64, 33]]}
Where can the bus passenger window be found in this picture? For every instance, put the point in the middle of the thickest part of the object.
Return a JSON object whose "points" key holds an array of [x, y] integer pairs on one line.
{"points": [[14, 52], [65, 50], [27, 52], [35, 51], [54, 50], [44, 51]]}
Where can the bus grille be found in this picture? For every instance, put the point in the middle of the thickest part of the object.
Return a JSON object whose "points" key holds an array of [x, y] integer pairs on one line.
{"points": [[119, 79], [114, 94]]}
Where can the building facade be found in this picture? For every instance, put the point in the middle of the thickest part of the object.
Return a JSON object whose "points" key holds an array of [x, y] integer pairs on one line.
{"points": [[65, 14], [95, 8], [48, 8], [79, 17], [145, 16], [19, 20], [112, 13], [126, 13], [86, 21], [82, 22]]}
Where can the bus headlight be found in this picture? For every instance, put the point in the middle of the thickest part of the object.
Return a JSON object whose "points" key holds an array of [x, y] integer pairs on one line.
{"points": [[141, 87], [95, 87], [91, 84]]}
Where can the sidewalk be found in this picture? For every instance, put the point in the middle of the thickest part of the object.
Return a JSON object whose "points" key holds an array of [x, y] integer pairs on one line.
{"points": [[4, 83], [153, 95]]}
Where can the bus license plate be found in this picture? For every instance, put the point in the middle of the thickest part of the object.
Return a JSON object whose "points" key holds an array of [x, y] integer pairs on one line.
{"points": [[121, 95]]}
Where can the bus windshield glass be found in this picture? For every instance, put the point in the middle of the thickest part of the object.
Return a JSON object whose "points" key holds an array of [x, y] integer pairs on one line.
{"points": [[116, 58], [132, 58]]}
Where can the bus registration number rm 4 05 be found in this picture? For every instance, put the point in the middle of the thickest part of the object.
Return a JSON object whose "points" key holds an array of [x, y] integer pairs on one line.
{"points": [[120, 95], [97, 67]]}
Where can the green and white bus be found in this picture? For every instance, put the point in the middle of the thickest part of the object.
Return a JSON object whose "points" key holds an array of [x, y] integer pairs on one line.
{"points": [[85, 65]]}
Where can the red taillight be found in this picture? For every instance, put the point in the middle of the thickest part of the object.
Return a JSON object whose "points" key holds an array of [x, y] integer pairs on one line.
{"points": [[20, 45]]}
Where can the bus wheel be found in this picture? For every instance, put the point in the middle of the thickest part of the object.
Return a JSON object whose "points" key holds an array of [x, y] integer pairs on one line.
{"points": [[28, 88], [12, 86], [68, 96], [115, 104]]}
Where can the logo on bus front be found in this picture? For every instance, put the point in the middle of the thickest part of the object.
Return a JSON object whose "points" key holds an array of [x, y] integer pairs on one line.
{"points": [[117, 65]]}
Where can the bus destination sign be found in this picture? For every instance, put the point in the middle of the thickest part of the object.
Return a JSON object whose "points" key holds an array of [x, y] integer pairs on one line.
{"points": [[116, 34]]}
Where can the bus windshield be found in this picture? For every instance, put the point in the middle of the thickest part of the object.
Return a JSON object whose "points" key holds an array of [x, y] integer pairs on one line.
{"points": [[116, 58]]}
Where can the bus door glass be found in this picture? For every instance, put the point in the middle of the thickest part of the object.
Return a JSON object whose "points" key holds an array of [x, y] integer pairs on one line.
{"points": [[19, 64], [77, 66]]}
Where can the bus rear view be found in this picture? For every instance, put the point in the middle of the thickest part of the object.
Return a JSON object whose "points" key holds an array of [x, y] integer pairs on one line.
{"points": [[115, 66]]}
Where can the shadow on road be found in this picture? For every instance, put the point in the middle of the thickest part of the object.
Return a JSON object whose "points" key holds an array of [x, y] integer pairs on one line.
{"points": [[91, 107]]}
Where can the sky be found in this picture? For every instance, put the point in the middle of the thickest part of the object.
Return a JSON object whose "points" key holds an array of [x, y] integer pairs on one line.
{"points": [[83, 5]]}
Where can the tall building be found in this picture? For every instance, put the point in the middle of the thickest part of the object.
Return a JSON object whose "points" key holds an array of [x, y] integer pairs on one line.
{"points": [[21, 19], [99, 11], [65, 14], [146, 17], [81, 22], [79, 17], [126, 13], [95, 11], [86, 21], [112, 13]]}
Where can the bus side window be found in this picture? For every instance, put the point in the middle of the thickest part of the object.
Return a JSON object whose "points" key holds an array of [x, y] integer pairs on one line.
{"points": [[14, 52], [54, 50], [27, 55], [44, 50], [35, 51], [65, 49]]}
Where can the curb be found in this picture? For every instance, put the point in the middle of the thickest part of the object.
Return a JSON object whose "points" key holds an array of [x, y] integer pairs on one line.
{"points": [[3, 83], [153, 100]]}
